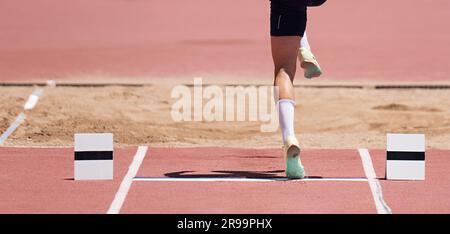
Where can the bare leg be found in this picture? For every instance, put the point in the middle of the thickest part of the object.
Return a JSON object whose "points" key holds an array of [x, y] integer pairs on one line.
{"points": [[284, 54]]}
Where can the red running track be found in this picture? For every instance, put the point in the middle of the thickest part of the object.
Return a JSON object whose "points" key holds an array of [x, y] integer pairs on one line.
{"points": [[384, 40], [39, 180], [246, 197]]}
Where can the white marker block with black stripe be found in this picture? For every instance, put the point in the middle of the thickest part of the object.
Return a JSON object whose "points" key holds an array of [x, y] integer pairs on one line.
{"points": [[405, 157], [94, 156]]}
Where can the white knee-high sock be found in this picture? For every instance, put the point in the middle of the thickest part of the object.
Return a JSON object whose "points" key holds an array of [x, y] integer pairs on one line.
{"points": [[286, 109], [304, 42]]}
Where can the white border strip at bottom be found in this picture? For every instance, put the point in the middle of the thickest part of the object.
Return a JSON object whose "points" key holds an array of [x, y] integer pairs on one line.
{"points": [[230, 179]]}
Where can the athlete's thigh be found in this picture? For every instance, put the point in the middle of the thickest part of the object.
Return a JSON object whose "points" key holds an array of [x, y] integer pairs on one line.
{"points": [[287, 25], [284, 51]]}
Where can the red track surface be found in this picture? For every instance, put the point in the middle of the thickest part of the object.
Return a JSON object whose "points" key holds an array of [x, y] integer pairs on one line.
{"points": [[39, 180], [364, 40], [429, 196], [245, 197]]}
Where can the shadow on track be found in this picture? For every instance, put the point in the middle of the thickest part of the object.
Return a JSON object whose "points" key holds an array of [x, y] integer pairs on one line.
{"points": [[231, 174]]}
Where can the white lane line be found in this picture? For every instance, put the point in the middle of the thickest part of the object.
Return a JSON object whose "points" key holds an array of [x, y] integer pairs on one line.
{"points": [[374, 183], [33, 99], [19, 119], [121, 194], [228, 179]]}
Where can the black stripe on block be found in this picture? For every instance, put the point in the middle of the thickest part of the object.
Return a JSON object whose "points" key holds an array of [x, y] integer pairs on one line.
{"points": [[399, 155], [94, 155]]}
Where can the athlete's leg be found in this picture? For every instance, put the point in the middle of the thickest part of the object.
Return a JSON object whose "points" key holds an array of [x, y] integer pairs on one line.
{"points": [[284, 57], [288, 23], [285, 60]]}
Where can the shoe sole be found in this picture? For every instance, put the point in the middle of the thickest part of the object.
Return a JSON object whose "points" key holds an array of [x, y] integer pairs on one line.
{"points": [[293, 169], [311, 70]]}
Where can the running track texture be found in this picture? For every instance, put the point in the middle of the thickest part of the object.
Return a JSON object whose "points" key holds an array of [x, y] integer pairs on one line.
{"points": [[218, 180], [383, 40]]}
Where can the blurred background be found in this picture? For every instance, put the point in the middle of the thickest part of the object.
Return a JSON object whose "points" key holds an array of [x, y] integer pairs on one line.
{"points": [[171, 40]]}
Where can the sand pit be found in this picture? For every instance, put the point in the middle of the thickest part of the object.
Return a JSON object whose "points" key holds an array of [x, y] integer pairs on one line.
{"points": [[11, 104], [325, 118]]}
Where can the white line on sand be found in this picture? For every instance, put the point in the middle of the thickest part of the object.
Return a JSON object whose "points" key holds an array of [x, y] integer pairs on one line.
{"points": [[33, 99], [121, 194], [374, 183], [229, 179], [30, 104], [19, 119]]}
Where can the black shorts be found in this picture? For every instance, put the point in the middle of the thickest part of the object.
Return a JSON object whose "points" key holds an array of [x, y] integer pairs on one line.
{"points": [[288, 17]]}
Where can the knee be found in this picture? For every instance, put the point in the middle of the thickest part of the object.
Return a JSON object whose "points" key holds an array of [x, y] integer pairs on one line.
{"points": [[288, 70]]}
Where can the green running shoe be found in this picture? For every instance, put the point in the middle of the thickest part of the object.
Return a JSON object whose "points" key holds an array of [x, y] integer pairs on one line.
{"points": [[309, 63], [294, 167]]}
